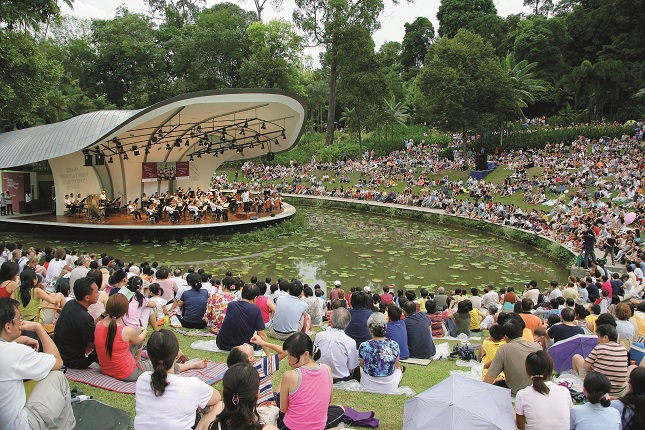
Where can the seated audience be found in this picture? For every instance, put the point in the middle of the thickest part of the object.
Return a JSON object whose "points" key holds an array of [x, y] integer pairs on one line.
{"points": [[631, 406], [596, 413], [9, 272], [361, 310], [381, 371], [542, 404], [289, 313], [165, 400], [337, 350], [243, 319], [419, 336], [31, 294], [567, 328], [48, 406], [306, 391], [238, 408], [490, 346], [193, 304], [217, 303], [74, 334], [396, 330], [608, 358]]}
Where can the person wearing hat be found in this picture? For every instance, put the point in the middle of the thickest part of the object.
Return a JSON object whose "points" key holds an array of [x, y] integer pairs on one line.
{"points": [[333, 295]]}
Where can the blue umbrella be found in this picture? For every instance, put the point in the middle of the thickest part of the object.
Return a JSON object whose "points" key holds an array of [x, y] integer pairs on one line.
{"points": [[562, 352]]}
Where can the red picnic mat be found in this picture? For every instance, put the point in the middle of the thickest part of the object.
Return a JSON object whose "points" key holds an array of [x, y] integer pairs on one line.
{"points": [[211, 374]]}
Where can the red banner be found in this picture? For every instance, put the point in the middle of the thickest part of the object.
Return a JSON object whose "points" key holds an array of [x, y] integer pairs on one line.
{"points": [[148, 172], [183, 170]]}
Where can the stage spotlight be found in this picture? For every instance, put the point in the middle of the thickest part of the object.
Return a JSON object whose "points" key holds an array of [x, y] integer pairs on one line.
{"points": [[262, 147], [187, 143], [246, 123], [136, 153], [168, 147], [242, 132], [111, 160], [178, 142], [264, 125], [191, 158], [199, 155], [284, 135], [125, 156]]}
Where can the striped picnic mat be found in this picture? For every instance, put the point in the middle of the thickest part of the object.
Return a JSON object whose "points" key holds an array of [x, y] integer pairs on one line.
{"points": [[93, 376]]}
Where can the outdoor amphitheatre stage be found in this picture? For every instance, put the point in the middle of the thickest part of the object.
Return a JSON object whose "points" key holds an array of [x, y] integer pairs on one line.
{"points": [[122, 226]]}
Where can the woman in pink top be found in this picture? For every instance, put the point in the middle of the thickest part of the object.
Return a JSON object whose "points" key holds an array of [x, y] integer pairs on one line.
{"points": [[140, 310], [306, 391], [266, 306]]}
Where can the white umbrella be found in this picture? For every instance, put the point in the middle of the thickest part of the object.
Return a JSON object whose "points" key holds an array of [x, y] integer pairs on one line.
{"points": [[460, 403]]}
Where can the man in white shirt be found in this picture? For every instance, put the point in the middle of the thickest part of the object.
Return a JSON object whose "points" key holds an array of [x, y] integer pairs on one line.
{"points": [[531, 291], [338, 350], [555, 291], [48, 406], [490, 298]]}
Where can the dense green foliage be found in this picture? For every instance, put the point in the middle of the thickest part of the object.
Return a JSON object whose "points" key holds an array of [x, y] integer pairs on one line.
{"points": [[570, 60]]}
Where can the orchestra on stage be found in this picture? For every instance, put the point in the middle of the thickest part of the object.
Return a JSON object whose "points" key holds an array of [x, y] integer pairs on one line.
{"points": [[177, 207]]}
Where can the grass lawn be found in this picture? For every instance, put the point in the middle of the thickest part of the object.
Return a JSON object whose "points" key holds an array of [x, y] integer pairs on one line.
{"points": [[388, 408]]}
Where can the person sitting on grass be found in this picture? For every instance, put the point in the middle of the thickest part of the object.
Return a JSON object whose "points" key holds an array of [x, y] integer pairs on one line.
{"points": [[238, 408], [596, 413], [306, 391], [141, 310], [381, 371], [631, 406], [118, 347], [338, 351], [490, 346], [265, 366], [543, 404], [419, 335], [48, 406], [160, 389], [396, 328], [30, 296], [193, 304]]}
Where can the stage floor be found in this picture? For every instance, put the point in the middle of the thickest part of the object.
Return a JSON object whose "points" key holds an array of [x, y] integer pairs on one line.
{"points": [[121, 223]]}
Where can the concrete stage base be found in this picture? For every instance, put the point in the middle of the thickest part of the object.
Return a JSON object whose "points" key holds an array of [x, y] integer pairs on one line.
{"points": [[125, 226]]}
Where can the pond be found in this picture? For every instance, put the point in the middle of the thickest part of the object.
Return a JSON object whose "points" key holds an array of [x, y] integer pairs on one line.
{"points": [[356, 248]]}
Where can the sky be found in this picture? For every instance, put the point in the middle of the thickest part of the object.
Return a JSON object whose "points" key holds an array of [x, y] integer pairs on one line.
{"points": [[392, 19]]}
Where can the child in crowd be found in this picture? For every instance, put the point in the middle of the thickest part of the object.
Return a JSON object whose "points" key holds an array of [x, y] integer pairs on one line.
{"points": [[540, 337], [604, 301], [596, 413], [489, 320], [160, 303], [490, 346]]}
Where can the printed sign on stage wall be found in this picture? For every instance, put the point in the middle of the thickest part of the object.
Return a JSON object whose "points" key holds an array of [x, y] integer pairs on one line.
{"points": [[152, 172]]}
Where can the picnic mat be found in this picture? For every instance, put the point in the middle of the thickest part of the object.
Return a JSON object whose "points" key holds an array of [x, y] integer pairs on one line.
{"points": [[210, 345], [193, 332], [93, 376], [420, 361], [356, 386]]}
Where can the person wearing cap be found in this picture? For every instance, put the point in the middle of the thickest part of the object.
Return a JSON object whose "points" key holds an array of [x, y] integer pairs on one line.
{"points": [[74, 334], [333, 295], [531, 291]]}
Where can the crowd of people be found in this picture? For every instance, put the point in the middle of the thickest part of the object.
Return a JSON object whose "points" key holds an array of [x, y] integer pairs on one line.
{"points": [[610, 168], [107, 314]]}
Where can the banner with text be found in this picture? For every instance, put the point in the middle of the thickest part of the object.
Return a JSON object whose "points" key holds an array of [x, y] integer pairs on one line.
{"points": [[153, 172]]}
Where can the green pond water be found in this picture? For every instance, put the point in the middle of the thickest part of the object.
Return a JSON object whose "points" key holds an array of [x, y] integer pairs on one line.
{"points": [[356, 248]]}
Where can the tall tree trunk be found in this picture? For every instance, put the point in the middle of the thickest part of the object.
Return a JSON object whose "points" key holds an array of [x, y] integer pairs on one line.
{"points": [[360, 138], [331, 113]]}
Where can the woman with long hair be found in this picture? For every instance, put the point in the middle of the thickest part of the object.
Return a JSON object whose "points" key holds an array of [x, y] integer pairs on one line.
{"points": [[30, 295], [542, 404], [8, 278], [632, 405], [140, 308], [164, 400], [119, 347], [238, 409], [306, 391], [596, 413]]}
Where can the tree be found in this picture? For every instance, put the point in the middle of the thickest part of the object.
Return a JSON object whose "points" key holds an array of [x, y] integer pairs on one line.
{"points": [[324, 22], [394, 113], [209, 54], [463, 85], [543, 7], [543, 41], [274, 60], [26, 79], [525, 86], [177, 12], [389, 59], [130, 67], [454, 15], [259, 6], [28, 14], [418, 37]]}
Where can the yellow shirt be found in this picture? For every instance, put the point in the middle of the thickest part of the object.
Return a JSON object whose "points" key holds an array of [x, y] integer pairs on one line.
{"points": [[490, 347], [474, 319]]}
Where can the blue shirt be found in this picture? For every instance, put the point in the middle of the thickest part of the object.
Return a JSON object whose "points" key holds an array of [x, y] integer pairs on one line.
{"points": [[594, 417], [419, 336], [357, 328], [194, 305], [397, 332]]}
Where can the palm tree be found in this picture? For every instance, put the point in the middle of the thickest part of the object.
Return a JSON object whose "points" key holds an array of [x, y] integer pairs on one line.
{"points": [[394, 113], [525, 86]]}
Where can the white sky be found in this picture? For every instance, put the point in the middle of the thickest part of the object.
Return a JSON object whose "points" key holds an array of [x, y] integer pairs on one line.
{"points": [[392, 19]]}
